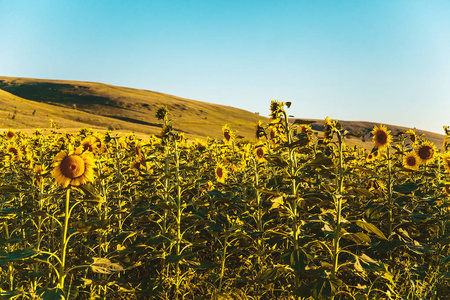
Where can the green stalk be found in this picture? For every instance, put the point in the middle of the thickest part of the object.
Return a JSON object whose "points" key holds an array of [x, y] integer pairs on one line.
{"points": [[390, 216], [62, 266], [338, 204], [8, 248], [178, 219]]}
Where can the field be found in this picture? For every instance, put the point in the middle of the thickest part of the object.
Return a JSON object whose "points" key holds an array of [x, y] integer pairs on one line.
{"points": [[292, 213]]}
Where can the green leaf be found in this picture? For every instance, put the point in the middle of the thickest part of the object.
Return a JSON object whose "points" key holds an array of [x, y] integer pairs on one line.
{"points": [[18, 255], [324, 288], [307, 122], [369, 227], [322, 160], [53, 294], [8, 189], [297, 259], [359, 238], [406, 188]]}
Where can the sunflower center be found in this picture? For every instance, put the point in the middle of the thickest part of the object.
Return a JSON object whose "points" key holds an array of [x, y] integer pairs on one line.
{"points": [[381, 137], [13, 151], [411, 161], [260, 153], [219, 172], [72, 166], [226, 135], [425, 152]]}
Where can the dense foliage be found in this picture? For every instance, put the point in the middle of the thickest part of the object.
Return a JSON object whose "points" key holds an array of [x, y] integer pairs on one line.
{"points": [[292, 215]]}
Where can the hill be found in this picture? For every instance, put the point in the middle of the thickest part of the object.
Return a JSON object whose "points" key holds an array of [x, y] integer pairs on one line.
{"points": [[27, 103], [101, 106]]}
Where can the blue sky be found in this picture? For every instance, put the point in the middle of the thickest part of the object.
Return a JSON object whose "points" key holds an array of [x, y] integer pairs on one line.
{"points": [[380, 61]]}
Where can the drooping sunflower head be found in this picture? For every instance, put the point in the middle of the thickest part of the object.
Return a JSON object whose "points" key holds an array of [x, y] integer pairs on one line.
{"points": [[162, 113], [411, 161], [228, 135], [412, 136], [221, 173], [260, 131], [446, 144], [446, 161], [276, 108], [10, 134], [381, 137], [328, 129], [74, 168], [426, 151]]}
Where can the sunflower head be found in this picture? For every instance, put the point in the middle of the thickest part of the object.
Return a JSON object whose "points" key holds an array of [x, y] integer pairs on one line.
{"points": [[381, 137], [228, 135], [89, 144], [260, 152], [373, 156], [221, 173], [276, 109], [446, 190], [328, 129], [10, 134], [412, 136], [74, 168], [162, 113], [14, 152], [446, 161], [411, 161], [260, 131], [426, 151], [446, 144]]}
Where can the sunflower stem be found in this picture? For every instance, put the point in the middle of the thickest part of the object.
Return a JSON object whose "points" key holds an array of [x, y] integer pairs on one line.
{"points": [[62, 266]]}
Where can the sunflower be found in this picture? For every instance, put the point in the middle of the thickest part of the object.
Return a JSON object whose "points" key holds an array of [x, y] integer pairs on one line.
{"points": [[412, 136], [426, 151], [260, 131], [221, 173], [276, 107], [381, 137], [89, 144], [260, 152], [411, 161], [10, 134], [446, 190], [74, 167], [227, 135], [446, 144], [446, 161], [372, 155], [327, 130], [14, 152]]}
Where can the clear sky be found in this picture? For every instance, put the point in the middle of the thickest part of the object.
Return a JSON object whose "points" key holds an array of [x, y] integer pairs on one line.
{"points": [[381, 61]]}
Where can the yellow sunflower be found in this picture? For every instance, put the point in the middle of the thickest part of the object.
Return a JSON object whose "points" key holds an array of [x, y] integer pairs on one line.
{"points": [[260, 152], [89, 144], [221, 173], [412, 136], [446, 144], [381, 137], [426, 151], [14, 152], [227, 135], [260, 131], [446, 190], [411, 161], [327, 130], [10, 134], [74, 168], [446, 161], [372, 156]]}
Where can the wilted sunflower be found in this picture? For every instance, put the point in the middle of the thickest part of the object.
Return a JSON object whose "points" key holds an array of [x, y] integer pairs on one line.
{"points": [[412, 136], [10, 134], [446, 161], [227, 135], [381, 137], [74, 168], [426, 151], [411, 161], [221, 173]]}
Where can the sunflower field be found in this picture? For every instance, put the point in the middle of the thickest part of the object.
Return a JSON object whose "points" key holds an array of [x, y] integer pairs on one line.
{"points": [[291, 215]]}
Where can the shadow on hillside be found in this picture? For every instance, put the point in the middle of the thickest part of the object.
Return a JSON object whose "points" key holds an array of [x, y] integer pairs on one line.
{"points": [[135, 121]]}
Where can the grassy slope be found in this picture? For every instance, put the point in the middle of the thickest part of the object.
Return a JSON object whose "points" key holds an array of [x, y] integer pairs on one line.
{"points": [[125, 109], [103, 106]]}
